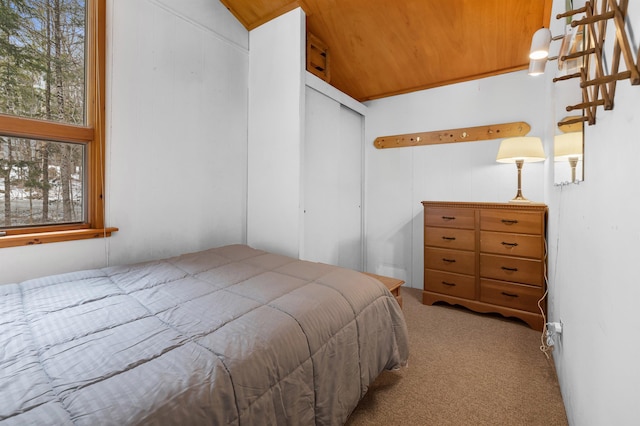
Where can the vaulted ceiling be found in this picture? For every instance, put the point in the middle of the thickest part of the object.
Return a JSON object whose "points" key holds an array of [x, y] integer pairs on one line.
{"points": [[379, 48]]}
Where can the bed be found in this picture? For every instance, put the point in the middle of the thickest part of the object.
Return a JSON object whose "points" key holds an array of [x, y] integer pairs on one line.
{"points": [[227, 336]]}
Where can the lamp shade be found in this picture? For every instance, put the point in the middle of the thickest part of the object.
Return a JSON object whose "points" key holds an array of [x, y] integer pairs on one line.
{"points": [[540, 44], [528, 149], [567, 145]]}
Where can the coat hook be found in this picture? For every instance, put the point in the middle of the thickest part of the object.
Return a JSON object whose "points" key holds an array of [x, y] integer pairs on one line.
{"points": [[464, 134]]}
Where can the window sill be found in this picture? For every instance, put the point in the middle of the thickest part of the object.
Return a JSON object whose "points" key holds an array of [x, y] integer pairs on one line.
{"points": [[54, 237]]}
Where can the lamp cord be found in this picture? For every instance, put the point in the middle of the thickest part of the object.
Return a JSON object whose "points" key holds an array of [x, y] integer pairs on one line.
{"points": [[544, 347]]}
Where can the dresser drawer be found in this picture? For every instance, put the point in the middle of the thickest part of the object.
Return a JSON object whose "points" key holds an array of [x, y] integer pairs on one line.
{"points": [[511, 221], [462, 262], [514, 269], [514, 296], [462, 239], [449, 217], [522, 245], [449, 283]]}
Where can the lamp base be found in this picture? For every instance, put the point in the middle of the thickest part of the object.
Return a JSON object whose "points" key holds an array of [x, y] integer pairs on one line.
{"points": [[519, 198], [520, 201]]}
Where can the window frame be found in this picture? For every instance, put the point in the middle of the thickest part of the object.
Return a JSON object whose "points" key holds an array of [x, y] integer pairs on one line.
{"points": [[92, 136]]}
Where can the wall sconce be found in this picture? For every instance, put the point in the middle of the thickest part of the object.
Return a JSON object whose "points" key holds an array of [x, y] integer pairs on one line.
{"points": [[568, 147], [539, 51], [537, 66], [540, 44], [520, 150]]}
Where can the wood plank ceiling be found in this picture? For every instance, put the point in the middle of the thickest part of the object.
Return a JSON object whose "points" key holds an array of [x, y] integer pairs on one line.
{"points": [[381, 48]]}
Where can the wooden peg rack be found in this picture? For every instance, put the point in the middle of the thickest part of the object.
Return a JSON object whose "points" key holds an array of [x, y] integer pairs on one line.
{"points": [[599, 87], [466, 134]]}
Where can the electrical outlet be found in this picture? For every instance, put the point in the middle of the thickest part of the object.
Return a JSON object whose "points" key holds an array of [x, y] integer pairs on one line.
{"points": [[555, 327], [554, 332]]}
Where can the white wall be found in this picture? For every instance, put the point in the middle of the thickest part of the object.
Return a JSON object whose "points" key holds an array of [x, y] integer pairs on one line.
{"points": [[176, 139], [594, 239], [398, 179], [276, 116]]}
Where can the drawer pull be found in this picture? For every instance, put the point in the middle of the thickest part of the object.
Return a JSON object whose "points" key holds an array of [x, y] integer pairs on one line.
{"points": [[509, 221], [509, 294], [448, 218], [509, 244], [505, 268], [449, 284], [449, 238], [444, 259]]}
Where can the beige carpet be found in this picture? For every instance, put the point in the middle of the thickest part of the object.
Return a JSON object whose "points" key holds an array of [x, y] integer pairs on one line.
{"points": [[464, 369]]}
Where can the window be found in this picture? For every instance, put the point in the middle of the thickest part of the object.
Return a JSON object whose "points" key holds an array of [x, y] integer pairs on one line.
{"points": [[51, 121]]}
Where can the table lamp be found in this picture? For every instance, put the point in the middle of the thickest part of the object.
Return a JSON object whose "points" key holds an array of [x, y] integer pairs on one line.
{"points": [[520, 150]]}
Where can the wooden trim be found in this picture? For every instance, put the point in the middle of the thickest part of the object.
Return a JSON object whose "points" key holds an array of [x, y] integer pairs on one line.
{"points": [[44, 229], [29, 128], [96, 112], [508, 206], [444, 83], [54, 237], [466, 134]]}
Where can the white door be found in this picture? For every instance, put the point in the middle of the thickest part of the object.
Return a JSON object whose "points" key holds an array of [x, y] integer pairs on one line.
{"points": [[332, 182]]}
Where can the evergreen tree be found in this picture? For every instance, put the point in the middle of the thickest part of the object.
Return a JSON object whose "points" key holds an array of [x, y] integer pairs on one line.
{"points": [[42, 76]]}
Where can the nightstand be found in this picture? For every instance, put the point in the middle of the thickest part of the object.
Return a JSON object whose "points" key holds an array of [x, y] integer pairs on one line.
{"points": [[393, 284]]}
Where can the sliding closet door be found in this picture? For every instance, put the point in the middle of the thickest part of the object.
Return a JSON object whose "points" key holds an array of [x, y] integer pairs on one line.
{"points": [[332, 182]]}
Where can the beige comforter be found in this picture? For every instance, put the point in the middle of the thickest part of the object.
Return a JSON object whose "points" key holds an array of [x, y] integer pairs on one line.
{"points": [[227, 336]]}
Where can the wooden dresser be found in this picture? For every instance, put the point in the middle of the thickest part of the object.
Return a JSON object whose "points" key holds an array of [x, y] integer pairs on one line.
{"points": [[488, 257]]}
